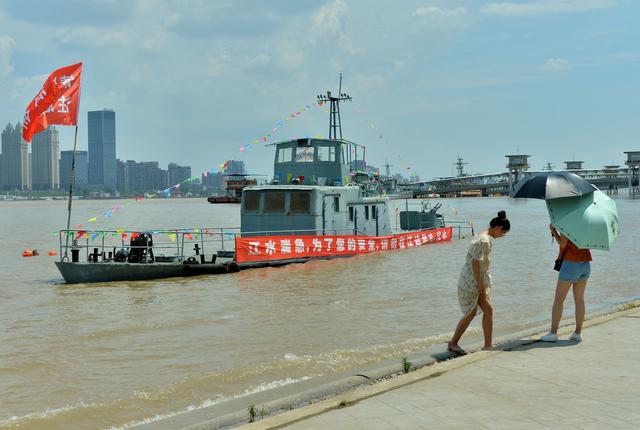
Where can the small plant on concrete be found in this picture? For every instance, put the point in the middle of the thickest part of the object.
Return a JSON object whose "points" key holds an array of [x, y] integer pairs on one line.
{"points": [[252, 413], [406, 365], [263, 413], [627, 306]]}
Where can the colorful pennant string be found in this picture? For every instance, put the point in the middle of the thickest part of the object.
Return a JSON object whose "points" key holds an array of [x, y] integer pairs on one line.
{"points": [[166, 193]]}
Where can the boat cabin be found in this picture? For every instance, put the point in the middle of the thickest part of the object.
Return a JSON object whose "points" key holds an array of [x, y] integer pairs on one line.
{"points": [[312, 210], [313, 162], [311, 194]]}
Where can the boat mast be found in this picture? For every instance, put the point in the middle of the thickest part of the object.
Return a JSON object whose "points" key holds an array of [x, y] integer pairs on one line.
{"points": [[72, 178], [335, 124], [460, 166], [387, 168]]}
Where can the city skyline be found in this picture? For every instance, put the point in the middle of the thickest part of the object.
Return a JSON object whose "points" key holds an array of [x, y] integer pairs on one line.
{"points": [[435, 79], [53, 168], [146, 176], [46, 168]]}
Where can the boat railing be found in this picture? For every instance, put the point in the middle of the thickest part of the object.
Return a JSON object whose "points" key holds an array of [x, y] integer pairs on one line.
{"points": [[165, 245], [304, 232], [156, 245], [196, 245], [460, 227]]}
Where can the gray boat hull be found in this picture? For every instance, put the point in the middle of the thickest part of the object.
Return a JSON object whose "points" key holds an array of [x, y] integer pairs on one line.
{"points": [[74, 273]]}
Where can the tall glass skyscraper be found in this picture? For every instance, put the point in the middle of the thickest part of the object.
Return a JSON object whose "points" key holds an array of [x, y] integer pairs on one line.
{"points": [[81, 169], [102, 148]]}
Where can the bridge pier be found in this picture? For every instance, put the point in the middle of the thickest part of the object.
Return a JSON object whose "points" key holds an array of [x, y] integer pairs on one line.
{"points": [[573, 165], [610, 173], [633, 173], [516, 167]]}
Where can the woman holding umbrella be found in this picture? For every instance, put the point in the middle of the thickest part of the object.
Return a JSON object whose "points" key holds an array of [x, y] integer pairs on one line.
{"points": [[574, 272], [582, 218], [474, 284]]}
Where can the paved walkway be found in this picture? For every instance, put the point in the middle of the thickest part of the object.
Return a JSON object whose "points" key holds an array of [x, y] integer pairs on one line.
{"points": [[591, 385]]}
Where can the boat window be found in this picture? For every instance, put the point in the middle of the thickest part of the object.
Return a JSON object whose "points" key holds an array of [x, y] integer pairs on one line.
{"points": [[374, 215], [351, 213], [251, 200], [284, 155], [274, 202], [326, 153], [300, 203], [336, 204], [366, 212], [304, 155]]}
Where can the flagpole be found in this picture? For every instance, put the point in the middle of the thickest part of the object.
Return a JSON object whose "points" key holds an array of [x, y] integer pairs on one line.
{"points": [[72, 179]]}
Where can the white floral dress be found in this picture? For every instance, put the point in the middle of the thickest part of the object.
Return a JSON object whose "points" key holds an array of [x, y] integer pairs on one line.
{"points": [[480, 249]]}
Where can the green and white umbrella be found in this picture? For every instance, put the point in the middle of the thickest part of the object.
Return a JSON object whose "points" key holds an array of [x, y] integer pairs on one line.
{"points": [[589, 221]]}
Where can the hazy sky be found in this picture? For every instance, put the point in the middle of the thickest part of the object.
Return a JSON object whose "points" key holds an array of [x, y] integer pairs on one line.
{"points": [[192, 81]]}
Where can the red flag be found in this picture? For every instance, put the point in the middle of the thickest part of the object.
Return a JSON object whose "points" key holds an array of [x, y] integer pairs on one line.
{"points": [[56, 102]]}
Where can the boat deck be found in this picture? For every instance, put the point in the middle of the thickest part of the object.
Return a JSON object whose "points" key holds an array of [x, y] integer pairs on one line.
{"points": [[107, 256]]}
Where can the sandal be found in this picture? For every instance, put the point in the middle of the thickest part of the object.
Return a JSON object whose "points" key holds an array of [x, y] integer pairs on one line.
{"points": [[456, 349]]}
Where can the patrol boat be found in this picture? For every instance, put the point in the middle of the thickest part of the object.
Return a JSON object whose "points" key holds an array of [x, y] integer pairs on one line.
{"points": [[316, 206]]}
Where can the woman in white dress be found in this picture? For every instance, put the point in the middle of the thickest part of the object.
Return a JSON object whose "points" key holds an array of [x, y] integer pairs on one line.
{"points": [[474, 285]]}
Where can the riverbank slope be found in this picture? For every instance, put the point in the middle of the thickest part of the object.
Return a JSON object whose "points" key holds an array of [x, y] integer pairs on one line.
{"points": [[522, 384]]}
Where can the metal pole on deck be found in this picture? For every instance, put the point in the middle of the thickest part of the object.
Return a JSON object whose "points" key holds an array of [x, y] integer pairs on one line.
{"points": [[72, 179]]}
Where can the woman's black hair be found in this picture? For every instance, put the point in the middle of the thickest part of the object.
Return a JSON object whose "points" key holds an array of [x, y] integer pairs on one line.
{"points": [[501, 221]]}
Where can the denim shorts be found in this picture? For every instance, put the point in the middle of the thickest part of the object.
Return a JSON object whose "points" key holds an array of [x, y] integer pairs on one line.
{"points": [[573, 271]]}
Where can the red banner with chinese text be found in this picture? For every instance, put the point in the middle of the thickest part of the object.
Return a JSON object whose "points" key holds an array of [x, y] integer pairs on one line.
{"points": [[265, 248], [56, 103]]}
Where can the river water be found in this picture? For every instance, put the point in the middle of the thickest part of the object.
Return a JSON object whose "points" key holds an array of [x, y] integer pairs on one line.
{"points": [[115, 354]]}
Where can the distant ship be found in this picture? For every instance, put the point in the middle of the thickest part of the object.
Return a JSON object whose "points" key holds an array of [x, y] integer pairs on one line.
{"points": [[389, 186], [235, 183]]}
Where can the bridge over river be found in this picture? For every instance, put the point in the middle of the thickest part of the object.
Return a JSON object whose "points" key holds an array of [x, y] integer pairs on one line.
{"points": [[608, 179]]}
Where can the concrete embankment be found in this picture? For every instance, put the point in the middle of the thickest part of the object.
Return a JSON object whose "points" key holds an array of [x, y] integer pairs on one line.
{"points": [[522, 383]]}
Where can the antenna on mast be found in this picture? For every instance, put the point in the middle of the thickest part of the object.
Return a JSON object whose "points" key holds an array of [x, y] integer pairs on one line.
{"points": [[335, 125], [460, 166], [387, 168]]}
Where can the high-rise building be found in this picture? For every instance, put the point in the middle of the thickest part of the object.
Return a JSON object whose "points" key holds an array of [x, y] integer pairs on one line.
{"points": [[131, 176], [121, 176], [235, 167], [213, 181], [15, 173], [45, 168], [103, 170], [81, 170], [150, 176], [177, 173], [144, 176]]}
